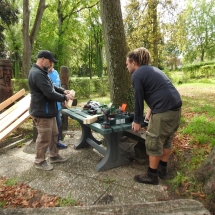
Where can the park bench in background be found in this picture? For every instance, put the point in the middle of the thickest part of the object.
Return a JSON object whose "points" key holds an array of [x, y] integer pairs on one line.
{"points": [[13, 112]]}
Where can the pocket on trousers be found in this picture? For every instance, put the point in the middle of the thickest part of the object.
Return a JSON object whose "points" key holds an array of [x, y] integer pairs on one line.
{"points": [[152, 141]]}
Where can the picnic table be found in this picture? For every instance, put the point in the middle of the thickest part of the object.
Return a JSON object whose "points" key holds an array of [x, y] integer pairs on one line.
{"points": [[112, 157]]}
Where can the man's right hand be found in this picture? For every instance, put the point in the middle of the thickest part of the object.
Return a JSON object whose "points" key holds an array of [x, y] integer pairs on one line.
{"points": [[136, 127]]}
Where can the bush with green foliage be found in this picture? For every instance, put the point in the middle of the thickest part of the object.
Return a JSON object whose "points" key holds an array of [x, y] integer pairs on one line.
{"points": [[198, 70], [84, 87], [19, 84]]}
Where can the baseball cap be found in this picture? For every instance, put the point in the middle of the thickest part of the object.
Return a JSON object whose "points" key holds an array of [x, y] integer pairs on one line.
{"points": [[48, 55]]}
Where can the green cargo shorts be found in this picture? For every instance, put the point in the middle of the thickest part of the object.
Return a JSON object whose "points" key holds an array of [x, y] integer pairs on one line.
{"points": [[160, 132]]}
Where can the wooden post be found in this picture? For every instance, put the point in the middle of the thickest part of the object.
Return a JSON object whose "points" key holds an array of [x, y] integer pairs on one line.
{"points": [[64, 77]]}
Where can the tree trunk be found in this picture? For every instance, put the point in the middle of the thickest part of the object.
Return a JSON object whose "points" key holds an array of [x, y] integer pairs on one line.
{"points": [[152, 4], [90, 60], [116, 50], [28, 40], [99, 57], [202, 55]]}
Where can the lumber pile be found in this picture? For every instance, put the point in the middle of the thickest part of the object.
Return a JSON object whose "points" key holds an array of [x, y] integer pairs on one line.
{"points": [[13, 116]]}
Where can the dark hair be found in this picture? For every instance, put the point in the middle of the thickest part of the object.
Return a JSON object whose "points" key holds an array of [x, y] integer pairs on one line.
{"points": [[140, 55]]}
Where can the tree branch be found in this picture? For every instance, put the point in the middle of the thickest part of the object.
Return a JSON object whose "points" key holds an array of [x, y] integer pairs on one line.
{"points": [[41, 8]]}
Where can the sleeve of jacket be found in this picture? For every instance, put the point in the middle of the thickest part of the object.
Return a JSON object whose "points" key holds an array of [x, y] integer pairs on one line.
{"points": [[59, 89], [44, 83]]}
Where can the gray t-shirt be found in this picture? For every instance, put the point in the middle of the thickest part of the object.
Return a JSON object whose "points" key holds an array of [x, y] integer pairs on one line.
{"points": [[153, 86]]}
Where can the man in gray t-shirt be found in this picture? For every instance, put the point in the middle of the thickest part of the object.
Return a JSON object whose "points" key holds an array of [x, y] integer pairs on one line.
{"points": [[154, 87]]}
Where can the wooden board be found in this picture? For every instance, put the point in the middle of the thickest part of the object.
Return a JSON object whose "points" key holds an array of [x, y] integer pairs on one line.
{"points": [[14, 116], [13, 126], [68, 103], [24, 105], [12, 99], [20, 103], [90, 119]]}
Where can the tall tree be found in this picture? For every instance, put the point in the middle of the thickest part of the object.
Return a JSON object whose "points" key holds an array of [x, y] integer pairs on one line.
{"points": [[8, 16], [144, 23], [66, 11], [197, 24], [97, 39], [153, 21], [200, 30], [116, 50], [143, 26], [28, 39]]}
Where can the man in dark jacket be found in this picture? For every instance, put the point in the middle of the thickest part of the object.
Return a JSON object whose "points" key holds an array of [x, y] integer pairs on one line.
{"points": [[153, 86], [43, 110]]}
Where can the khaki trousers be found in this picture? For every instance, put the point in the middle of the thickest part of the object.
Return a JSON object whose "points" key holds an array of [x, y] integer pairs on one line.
{"points": [[161, 130], [47, 138]]}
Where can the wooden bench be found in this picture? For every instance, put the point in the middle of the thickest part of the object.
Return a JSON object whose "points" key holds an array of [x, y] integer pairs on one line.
{"points": [[14, 111]]}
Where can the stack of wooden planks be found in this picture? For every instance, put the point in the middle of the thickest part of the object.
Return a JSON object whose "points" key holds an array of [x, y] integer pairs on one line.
{"points": [[13, 116]]}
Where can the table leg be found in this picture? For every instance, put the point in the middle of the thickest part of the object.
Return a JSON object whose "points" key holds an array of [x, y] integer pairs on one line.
{"points": [[86, 133], [112, 157]]}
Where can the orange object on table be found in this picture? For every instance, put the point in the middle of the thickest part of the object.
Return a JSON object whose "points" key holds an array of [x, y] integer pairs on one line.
{"points": [[123, 107]]}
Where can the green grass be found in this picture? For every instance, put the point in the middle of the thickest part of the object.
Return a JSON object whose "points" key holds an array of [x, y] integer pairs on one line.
{"points": [[11, 181], [108, 181], [196, 132], [2, 204], [101, 100], [179, 180], [65, 202]]}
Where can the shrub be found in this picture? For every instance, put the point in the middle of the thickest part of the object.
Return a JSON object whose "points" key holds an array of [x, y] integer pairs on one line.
{"points": [[19, 84]]}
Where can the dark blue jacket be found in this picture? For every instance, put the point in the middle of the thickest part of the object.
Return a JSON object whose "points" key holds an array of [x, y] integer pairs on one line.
{"points": [[44, 94]]}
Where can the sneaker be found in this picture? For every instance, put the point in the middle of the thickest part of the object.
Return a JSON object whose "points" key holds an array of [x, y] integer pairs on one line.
{"points": [[147, 178], [61, 146], [58, 159], [44, 166], [162, 171]]}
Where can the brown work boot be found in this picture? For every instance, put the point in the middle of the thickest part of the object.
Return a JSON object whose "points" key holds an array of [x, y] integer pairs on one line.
{"points": [[162, 171], [147, 178]]}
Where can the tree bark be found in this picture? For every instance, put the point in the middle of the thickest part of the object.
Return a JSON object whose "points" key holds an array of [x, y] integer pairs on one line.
{"points": [[152, 10], [206, 173], [116, 50], [28, 39]]}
